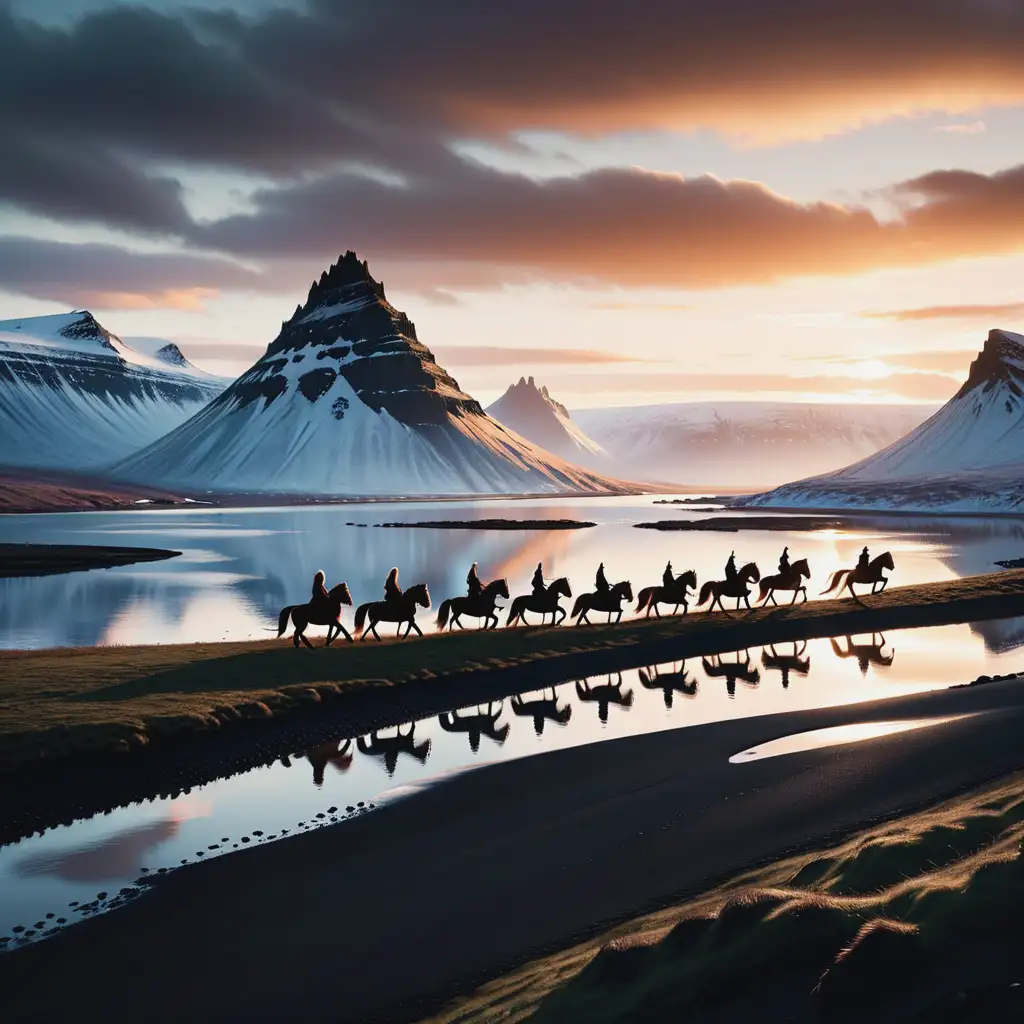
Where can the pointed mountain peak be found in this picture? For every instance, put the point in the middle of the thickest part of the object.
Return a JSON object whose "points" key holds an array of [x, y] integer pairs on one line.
{"points": [[172, 355], [346, 280], [1001, 361], [84, 326]]}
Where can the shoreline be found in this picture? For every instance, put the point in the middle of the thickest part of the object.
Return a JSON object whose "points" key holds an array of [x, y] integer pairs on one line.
{"points": [[127, 700], [558, 847], [19, 561]]}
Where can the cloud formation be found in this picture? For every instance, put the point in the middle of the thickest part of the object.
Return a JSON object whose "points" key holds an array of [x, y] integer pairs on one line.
{"points": [[990, 311], [506, 355]]}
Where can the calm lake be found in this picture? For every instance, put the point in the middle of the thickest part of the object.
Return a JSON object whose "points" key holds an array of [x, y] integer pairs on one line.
{"points": [[240, 566]]}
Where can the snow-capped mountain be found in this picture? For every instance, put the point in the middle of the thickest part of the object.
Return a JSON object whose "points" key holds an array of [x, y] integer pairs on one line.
{"points": [[532, 412], [347, 401], [968, 457], [743, 444], [75, 396]]}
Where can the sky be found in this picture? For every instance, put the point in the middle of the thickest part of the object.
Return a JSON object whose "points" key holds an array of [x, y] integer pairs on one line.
{"points": [[635, 203]]}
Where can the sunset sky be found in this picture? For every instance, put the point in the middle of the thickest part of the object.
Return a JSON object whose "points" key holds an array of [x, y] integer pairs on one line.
{"points": [[636, 203]]}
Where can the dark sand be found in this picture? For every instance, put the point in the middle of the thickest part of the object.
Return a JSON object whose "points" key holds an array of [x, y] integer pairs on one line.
{"points": [[49, 559], [492, 524], [386, 916]]}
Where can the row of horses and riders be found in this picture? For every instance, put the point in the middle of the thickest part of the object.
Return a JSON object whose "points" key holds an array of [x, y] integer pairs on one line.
{"points": [[399, 606]]}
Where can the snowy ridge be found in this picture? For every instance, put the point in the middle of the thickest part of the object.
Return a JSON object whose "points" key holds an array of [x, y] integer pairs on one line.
{"points": [[533, 413], [347, 401], [968, 457], [743, 444], [74, 396]]}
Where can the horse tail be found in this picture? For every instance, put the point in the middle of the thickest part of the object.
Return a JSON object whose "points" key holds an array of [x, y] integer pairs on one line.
{"points": [[282, 622], [515, 611], [645, 598], [705, 592], [837, 578], [442, 614], [764, 587], [361, 615], [577, 608]]}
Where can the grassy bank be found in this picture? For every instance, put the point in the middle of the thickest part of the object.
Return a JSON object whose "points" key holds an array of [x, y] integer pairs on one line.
{"points": [[59, 702], [912, 920]]}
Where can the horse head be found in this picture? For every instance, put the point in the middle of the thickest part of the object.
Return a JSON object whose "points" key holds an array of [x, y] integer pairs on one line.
{"points": [[497, 588], [802, 569], [750, 572], [340, 593], [688, 580], [419, 595], [561, 586], [884, 561], [623, 590]]}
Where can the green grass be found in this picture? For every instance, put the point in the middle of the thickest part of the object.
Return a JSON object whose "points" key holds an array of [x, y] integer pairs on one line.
{"points": [[898, 913], [61, 701]]}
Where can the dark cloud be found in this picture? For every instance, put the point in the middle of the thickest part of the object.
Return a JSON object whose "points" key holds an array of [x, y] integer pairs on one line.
{"points": [[990, 311], [107, 276]]}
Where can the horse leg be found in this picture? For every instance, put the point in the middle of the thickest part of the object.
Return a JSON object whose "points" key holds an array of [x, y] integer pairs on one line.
{"points": [[295, 638], [348, 635], [412, 626], [555, 619], [305, 640]]}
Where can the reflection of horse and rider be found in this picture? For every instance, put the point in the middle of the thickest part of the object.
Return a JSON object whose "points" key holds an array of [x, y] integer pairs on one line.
{"points": [[480, 601]]}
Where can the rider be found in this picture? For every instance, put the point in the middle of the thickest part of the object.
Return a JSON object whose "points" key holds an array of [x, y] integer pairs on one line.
{"points": [[320, 595], [784, 561], [730, 569], [538, 581], [392, 591], [473, 583], [600, 583], [864, 560], [667, 579]]}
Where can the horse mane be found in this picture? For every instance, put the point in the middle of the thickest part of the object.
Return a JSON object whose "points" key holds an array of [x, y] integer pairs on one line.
{"points": [[339, 588]]}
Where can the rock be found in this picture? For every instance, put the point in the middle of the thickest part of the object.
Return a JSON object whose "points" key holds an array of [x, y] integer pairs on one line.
{"points": [[246, 839], [256, 832], [332, 810]]}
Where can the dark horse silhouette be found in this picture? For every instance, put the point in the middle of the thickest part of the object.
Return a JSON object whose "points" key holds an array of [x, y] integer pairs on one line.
{"points": [[337, 753], [479, 608], [541, 709], [786, 663], [730, 671], [402, 609], [327, 614], [651, 597], [871, 573], [670, 683], [723, 588], [866, 654], [544, 604], [389, 747], [476, 725], [798, 571], [605, 694], [610, 602]]}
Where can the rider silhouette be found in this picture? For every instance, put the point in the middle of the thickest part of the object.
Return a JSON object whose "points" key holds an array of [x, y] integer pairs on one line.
{"points": [[784, 561], [320, 595], [538, 581], [392, 591], [600, 583], [730, 569], [667, 579], [473, 583], [864, 560]]}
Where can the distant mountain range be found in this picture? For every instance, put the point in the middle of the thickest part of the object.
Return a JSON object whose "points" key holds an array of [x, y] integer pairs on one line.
{"points": [[968, 457], [347, 401], [742, 445], [531, 411], [74, 396]]}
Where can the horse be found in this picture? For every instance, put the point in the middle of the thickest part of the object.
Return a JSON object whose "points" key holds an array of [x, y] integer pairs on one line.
{"points": [[670, 683], [480, 723], [389, 747], [541, 709], [786, 663], [730, 671], [651, 597], [545, 604], [329, 615], [610, 602], [798, 571], [723, 588], [871, 573], [478, 608], [604, 695], [866, 654], [401, 610]]}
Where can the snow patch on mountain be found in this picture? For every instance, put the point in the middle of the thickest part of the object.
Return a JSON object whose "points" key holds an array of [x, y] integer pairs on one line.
{"points": [[75, 396], [968, 457], [532, 412], [347, 401], [743, 444]]}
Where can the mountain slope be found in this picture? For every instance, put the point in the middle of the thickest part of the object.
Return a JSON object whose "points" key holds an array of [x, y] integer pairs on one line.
{"points": [[968, 457], [533, 413], [347, 401], [74, 396], [743, 444]]}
